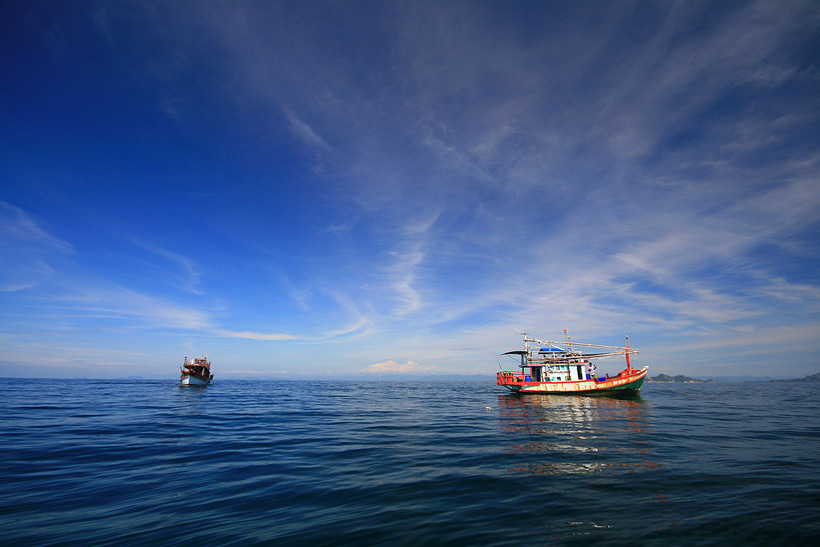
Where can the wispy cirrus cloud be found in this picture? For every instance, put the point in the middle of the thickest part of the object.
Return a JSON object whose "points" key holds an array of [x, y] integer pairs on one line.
{"points": [[28, 251], [19, 231], [134, 309], [305, 134], [649, 166], [190, 271]]}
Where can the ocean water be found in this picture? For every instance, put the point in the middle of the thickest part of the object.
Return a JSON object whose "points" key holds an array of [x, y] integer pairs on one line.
{"points": [[86, 462]]}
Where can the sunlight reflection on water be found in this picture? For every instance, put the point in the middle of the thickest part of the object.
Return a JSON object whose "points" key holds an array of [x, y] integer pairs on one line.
{"points": [[577, 434]]}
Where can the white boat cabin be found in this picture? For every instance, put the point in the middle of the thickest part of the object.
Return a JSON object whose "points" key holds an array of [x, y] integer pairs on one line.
{"points": [[552, 364]]}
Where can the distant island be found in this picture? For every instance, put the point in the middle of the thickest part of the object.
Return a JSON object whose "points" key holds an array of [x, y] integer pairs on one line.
{"points": [[679, 379], [811, 378]]}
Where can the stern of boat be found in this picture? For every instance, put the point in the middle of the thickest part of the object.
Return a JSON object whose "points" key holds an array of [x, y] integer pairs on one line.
{"points": [[511, 380]]}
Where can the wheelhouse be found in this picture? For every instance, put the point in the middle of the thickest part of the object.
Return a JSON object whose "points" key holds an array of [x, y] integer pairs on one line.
{"points": [[552, 364]]}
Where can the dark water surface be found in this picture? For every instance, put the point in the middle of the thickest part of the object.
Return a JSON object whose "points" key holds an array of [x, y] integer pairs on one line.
{"points": [[86, 462]]}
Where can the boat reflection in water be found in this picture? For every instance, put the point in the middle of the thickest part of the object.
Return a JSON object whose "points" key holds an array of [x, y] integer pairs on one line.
{"points": [[576, 434]]}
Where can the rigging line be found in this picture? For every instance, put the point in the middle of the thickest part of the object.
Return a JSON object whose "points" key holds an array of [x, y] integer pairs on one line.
{"points": [[679, 391]]}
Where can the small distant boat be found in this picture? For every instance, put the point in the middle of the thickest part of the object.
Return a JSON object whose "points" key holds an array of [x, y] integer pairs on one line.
{"points": [[559, 368], [196, 372]]}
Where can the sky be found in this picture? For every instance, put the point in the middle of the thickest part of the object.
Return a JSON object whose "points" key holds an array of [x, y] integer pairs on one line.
{"points": [[343, 188]]}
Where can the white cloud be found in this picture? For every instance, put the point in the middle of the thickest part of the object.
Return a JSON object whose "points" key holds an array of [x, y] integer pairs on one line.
{"points": [[27, 251], [256, 372], [401, 275], [140, 310], [254, 335], [304, 132], [17, 228], [191, 272], [584, 174], [409, 367]]}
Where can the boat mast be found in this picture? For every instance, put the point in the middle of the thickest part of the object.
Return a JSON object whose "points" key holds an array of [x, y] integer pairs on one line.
{"points": [[628, 364]]}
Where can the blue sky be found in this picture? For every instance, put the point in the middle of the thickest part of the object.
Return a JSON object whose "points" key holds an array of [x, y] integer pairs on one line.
{"points": [[311, 188]]}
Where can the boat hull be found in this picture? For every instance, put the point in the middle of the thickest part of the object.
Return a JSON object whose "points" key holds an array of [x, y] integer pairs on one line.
{"points": [[189, 380], [621, 385]]}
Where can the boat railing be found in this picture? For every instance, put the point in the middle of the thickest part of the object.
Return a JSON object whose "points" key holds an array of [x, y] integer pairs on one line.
{"points": [[508, 377]]}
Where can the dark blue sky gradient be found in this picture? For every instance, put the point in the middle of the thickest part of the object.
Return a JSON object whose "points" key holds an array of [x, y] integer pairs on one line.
{"points": [[329, 188]]}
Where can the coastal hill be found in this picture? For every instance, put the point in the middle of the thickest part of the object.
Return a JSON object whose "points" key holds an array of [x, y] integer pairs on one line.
{"points": [[810, 378], [680, 379]]}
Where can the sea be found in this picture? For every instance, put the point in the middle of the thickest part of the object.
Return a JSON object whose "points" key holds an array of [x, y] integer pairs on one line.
{"points": [[325, 463]]}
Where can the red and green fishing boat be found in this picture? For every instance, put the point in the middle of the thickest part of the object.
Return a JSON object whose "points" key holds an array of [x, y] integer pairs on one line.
{"points": [[562, 368]]}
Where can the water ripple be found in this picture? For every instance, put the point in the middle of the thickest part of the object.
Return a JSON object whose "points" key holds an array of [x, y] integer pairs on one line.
{"points": [[339, 463]]}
